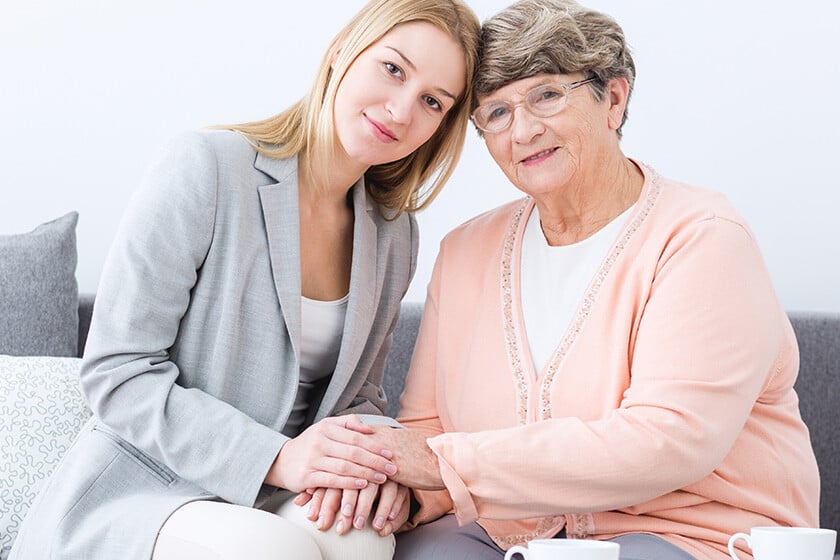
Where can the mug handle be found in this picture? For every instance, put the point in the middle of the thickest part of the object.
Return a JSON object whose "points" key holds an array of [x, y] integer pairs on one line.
{"points": [[733, 539], [517, 550]]}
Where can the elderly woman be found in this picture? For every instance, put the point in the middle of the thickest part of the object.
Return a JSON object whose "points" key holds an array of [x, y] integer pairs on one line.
{"points": [[605, 358]]}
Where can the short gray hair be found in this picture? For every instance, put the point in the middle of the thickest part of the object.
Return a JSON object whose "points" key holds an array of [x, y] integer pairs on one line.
{"points": [[532, 37]]}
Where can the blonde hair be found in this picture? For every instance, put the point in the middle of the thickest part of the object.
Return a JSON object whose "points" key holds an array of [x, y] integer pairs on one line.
{"points": [[532, 37], [308, 127]]}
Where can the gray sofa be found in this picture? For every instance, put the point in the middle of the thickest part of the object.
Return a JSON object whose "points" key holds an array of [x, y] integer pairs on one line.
{"points": [[44, 324]]}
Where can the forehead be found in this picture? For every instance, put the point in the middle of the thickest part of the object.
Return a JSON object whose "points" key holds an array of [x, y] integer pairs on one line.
{"points": [[428, 51]]}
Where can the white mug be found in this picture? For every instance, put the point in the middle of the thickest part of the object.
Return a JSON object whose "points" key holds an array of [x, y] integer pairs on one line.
{"points": [[787, 543], [566, 549]]}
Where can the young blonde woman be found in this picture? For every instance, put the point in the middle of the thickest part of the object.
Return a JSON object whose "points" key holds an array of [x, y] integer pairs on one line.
{"points": [[245, 311]]}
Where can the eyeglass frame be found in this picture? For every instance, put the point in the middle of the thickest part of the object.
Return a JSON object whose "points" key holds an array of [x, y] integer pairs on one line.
{"points": [[567, 89]]}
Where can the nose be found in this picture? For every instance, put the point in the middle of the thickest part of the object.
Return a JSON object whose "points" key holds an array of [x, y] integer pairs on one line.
{"points": [[399, 106], [524, 126]]}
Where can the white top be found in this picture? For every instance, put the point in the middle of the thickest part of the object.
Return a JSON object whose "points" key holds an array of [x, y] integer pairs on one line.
{"points": [[322, 325], [554, 280]]}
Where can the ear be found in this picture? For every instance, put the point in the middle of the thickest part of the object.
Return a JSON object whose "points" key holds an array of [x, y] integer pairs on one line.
{"points": [[618, 92]]}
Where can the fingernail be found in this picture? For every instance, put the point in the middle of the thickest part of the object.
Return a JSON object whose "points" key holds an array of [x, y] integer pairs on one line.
{"points": [[387, 530], [347, 510], [379, 523], [359, 523], [320, 523], [391, 468], [311, 511], [393, 515], [380, 478], [386, 453], [361, 483], [340, 527]]}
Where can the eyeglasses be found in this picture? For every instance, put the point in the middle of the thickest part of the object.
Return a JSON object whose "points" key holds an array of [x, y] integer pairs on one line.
{"points": [[543, 101]]}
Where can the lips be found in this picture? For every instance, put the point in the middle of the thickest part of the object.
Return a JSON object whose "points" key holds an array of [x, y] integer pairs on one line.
{"points": [[538, 155], [381, 131]]}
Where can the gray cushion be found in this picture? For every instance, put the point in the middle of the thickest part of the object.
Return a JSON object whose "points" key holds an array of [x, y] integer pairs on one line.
{"points": [[38, 290]]}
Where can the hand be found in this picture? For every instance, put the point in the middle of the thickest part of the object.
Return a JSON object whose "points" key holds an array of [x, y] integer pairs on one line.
{"points": [[417, 465], [336, 452], [391, 500]]}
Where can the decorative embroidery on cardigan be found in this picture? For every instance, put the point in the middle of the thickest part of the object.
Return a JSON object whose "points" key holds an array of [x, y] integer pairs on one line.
{"points": [[594, 288], [514, 349], [545, 529], [511, 342], [580, 525]]}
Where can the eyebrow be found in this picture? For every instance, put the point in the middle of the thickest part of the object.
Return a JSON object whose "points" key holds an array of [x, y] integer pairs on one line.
{"points": [[413, 67]]}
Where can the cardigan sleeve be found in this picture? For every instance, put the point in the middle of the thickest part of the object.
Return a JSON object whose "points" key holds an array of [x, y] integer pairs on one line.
{"points": [[418, 406], [707, 341]]}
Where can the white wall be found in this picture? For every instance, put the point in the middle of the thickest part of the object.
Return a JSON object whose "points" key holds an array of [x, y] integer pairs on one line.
{"points": [[736, 96]]}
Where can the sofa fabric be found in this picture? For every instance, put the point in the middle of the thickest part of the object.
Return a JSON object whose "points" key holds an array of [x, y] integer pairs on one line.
{"points": [[42, 410], [38, 290]]}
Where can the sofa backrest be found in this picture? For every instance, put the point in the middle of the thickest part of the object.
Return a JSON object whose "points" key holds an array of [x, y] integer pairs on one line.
{"points": [[818, 386]]}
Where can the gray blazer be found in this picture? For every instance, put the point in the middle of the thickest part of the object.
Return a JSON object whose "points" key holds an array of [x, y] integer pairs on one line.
{"points": [[191, 365]]}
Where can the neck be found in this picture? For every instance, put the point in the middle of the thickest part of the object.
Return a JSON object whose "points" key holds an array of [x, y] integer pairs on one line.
{"points": [[579, 210], [326, 181]]}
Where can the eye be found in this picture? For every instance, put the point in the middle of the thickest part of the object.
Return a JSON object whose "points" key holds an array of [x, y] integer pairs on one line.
{"points": [[496, 112], [545, 96], [432, 102], [393, 69]]}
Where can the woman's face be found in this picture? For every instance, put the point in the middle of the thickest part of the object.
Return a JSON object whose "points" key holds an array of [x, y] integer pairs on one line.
{"points": [[395, 94], [540, 155]]}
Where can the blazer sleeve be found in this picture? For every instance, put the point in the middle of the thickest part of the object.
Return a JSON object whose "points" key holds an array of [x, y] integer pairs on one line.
{"points": [[127, 375]]}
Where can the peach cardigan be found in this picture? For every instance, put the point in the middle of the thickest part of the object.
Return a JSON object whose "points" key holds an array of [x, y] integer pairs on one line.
{"points": [[668, 406]]}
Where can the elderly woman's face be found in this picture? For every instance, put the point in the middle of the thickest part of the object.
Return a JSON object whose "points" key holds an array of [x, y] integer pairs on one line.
{"points": [[542, 154]]}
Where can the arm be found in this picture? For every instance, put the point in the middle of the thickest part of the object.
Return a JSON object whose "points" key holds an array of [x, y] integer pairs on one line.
{"points": [[419, 412], [128, 376]]}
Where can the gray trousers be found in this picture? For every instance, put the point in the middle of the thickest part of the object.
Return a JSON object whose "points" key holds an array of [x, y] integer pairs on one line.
{"points": [[444, 540]]}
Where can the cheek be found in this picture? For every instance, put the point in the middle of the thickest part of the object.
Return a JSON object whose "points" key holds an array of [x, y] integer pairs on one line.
{"points": [[499, 151]]}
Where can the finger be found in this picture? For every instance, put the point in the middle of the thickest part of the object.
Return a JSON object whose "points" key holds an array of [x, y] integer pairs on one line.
{"points": [[353, 422], [304, 497], [364, 505], [348, 469], [349, 436], [329, 507], [388, 496], [324, 479], [348, 506], [400, 519], [314, 509]]}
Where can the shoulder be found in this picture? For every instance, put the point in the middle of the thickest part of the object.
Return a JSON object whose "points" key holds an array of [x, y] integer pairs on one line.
{"points": [[680, 205], [487, 226], [210, 148]]}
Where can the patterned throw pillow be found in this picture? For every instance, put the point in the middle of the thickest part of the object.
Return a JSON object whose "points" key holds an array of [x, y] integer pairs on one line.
{"points": [[41, 412]]}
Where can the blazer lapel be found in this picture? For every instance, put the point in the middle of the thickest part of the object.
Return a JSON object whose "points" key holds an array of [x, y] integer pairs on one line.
{"points": [[361, 307], [282, 223]]}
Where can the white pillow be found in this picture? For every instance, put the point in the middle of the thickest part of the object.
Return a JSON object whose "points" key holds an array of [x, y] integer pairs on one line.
{"points": [[41, 412]]}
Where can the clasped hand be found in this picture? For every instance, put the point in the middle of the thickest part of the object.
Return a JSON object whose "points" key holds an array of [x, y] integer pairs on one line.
{"points": [[417, 467], [336, 452]]}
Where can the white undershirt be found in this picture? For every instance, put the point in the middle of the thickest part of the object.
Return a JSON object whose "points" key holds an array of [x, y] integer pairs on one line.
{"points": [[321, 327], [554, 280]]}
